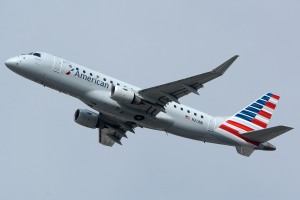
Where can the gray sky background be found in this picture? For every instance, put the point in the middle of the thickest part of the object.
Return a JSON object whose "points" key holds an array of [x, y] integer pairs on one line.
{"points": [[44, 154]]}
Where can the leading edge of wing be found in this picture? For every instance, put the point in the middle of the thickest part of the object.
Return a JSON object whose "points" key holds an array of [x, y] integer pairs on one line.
{"points": [[174, 90]]}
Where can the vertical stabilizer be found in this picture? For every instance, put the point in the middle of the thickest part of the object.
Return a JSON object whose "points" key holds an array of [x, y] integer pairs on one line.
{"points": [[255, 116]]}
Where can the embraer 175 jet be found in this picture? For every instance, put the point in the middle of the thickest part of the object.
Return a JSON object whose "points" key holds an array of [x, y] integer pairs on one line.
{"points": [[121, 107]]}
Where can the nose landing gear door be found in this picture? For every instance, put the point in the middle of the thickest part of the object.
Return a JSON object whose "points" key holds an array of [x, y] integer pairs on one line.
{"points": [[57, 64]]}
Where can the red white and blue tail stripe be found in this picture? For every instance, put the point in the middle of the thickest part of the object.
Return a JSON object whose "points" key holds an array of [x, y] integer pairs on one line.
{"points": [[256, 116]]}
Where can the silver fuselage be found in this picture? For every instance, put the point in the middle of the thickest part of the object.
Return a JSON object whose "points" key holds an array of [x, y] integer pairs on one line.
{"points": [[93, 88]]}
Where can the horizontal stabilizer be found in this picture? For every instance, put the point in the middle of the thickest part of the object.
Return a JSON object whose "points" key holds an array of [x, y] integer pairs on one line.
{"points": [[267, 134]]}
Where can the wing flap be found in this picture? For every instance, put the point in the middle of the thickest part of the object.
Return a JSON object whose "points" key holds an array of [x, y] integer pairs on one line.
{"points": [[104, 137], [112, 130]]}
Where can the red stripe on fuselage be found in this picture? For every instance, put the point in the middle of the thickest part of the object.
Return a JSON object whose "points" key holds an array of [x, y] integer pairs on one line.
{"points": [[241, 126], [236, 133]]}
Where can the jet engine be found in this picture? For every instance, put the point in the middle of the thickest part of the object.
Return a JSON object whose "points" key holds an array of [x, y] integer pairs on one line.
{"points": [[86, 118], [123, 95]]}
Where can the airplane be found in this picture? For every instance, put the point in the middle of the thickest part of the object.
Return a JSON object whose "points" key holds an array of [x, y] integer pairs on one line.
{"points": [[122, 107]]}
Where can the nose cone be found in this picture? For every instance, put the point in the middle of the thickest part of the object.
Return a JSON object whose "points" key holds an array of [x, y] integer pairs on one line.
{"points": [[11, 63]]}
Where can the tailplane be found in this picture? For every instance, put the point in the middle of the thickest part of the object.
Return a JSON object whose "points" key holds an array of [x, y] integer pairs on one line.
{"points": [[262, 137], [266, 134], [250, 124]]}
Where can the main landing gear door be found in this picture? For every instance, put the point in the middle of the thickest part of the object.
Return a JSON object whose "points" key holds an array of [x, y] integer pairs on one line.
{"points": [[57, 64]]}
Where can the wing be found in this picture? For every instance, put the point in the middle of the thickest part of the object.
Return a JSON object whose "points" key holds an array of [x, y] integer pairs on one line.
{"points": [[112, 130], [173, 91]]}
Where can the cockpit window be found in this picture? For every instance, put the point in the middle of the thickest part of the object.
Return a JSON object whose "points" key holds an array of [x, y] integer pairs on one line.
{"points": [[28, 53], [37, 54]]}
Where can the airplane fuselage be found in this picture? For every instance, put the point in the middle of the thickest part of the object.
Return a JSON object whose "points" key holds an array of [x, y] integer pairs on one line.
{"points": [[94, 88]]}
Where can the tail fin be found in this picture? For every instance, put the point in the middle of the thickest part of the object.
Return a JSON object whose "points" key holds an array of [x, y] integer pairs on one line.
{"points": [[250, 124], [254, 117]]}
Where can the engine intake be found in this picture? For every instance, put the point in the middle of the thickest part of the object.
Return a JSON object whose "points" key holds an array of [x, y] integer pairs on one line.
{"points": [[123, 95], [86, 118]]}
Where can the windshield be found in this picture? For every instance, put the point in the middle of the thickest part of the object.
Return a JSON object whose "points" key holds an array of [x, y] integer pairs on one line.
{"points": [[34, 54], [37, 54]]}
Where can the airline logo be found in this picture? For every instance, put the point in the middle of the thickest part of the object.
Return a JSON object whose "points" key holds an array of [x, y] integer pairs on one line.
{"points": [[254, 117], [96, 81], [71, 69]]}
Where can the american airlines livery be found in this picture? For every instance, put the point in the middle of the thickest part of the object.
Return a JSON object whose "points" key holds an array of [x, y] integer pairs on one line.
{"points": [[122, 107]]}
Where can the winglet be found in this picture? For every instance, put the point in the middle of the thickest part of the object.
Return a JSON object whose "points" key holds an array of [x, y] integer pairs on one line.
{"points": [[223, 67]]}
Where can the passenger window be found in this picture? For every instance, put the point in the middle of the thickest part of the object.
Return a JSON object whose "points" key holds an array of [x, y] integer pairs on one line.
{"points": [[201, 116], [91, 74], [104, 79], [83, 71], [118, 83], [195, 114], [97, 76], [174, 106], [111, 81], [181, 108], [188, 111]]}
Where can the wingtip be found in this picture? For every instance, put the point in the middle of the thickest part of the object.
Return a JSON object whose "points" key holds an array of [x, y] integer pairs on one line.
{"points": [[234, 58], [223, 67]]}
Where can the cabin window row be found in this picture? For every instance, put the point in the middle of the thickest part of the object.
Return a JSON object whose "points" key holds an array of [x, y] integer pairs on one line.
{"points": [[188, 111], [91, 74]]}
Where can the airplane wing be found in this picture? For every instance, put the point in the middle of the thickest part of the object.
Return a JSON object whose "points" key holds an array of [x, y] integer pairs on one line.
{"points": [[112, 130], [173, 91]]}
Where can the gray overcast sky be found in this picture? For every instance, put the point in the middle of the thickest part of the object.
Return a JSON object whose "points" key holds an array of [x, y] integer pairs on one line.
{"points": [[45, 155]]}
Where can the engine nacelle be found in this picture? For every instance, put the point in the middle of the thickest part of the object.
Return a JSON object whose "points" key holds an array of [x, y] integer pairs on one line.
{"points": [[123, 95], [86, 118]]}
